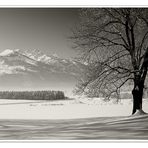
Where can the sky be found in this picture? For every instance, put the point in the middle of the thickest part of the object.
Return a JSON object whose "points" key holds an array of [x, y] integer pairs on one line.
{"points": [[45, 29]]}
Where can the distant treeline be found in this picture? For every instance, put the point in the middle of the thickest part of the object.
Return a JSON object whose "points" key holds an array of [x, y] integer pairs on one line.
{"points": [[32, 95]]}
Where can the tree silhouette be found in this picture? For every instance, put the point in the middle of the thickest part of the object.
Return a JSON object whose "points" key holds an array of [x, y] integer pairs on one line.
{"points": [[114, 44]]}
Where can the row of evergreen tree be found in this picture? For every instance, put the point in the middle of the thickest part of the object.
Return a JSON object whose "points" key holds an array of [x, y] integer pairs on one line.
{"points": [[32, 95]]}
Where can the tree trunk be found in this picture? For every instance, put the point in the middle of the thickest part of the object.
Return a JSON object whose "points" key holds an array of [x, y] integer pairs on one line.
{"points": [[137, 96]]}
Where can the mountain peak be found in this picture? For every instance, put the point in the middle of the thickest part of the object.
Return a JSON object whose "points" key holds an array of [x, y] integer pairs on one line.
{"points": [[8, 52], [55, 55], [38, 61]]}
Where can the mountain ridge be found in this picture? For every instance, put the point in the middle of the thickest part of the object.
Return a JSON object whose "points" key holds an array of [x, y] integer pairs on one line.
{"points": [[21, 70]]}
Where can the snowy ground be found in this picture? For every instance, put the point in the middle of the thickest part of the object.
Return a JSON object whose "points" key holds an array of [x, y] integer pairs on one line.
{"points": [[80, 119], [101, 128], [66, 109]]}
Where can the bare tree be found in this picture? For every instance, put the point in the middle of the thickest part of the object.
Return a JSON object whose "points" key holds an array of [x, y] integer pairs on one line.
{"points": [[114, 44]]}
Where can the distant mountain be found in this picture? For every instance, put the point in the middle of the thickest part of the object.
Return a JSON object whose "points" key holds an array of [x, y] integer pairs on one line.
{"points": [[34, 70]]}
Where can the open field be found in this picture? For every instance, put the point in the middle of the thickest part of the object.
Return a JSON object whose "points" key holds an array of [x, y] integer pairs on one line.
{"points": [[102, 128], [65, 109], [71, 120]]}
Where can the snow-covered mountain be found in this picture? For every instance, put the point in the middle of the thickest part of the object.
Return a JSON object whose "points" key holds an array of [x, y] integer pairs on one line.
{"points": [[36, 70]]}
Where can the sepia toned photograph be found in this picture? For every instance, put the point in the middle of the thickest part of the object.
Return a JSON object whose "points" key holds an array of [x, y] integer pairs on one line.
{"points": [[74, 73]]}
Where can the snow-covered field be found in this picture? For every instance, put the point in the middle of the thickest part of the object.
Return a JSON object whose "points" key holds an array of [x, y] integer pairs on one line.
{"points": [[80, 119], [66, 109]]}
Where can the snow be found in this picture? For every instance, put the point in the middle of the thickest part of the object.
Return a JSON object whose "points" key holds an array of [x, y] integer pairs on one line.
{"points": [[30, 61], [78, 129], [139, 112], [66, 109], [17, 50], [6, 69], [71, 120], [46, 59], [55, 55], [85, 63], [6, 52], [65, 61], [30, 55]]}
